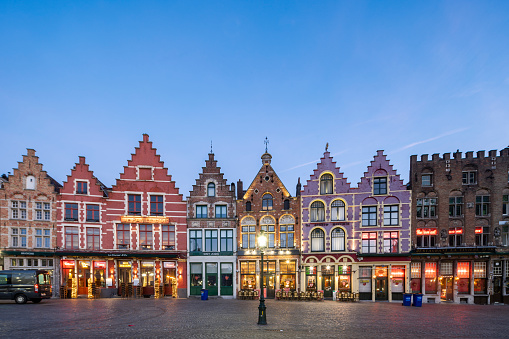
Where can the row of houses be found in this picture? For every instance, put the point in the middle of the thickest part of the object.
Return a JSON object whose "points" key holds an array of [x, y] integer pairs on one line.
{"points": [[443, 234]]}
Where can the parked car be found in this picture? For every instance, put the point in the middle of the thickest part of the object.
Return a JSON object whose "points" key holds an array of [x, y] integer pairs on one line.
{"points": [[24, 285]]}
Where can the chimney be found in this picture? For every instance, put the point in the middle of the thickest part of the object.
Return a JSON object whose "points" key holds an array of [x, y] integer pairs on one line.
{"points": [[298, 188], [240, 191]]}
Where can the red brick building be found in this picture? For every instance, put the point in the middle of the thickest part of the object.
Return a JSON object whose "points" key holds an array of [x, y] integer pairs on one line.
{"points": [[28, 208], [268, 206]]}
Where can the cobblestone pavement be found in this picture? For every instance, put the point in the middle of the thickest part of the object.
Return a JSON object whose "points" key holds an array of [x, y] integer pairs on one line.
{"points": [[218, 318]]}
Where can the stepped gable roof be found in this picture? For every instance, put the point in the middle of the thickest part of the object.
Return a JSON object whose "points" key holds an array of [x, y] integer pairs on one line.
{"points": [[265, 170]]}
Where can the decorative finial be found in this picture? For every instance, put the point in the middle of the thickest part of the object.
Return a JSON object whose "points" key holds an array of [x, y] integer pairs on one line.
{"points": [[266, 142], [327, 147], [211, 147]]}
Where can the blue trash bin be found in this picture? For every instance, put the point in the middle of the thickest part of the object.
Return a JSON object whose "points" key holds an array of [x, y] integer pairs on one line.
{"points": [[407, 299], [204, 294], [417, 300]]}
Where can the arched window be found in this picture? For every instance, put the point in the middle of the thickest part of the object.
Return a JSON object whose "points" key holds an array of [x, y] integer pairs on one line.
{"points": [[338, 239], [268, 225], [338, 210], [248, 229], [211, 189], [248, 206], [317, 211], [286, 204], [267, 202], [317, 240], [326, 184]]}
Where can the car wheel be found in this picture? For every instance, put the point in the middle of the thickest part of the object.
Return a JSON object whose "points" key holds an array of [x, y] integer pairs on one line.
{"points": [[36, 300], [20, 299]]}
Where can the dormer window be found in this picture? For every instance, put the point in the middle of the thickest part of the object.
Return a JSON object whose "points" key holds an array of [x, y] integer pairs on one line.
{"points": [[81, 187], [326, 184], [380, 185], [211, 189], [267, 202], [30, 184]]}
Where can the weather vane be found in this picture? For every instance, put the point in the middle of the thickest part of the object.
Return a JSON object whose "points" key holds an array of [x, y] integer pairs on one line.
{"points": [[326, 147], [266, 142], [211, 147]]}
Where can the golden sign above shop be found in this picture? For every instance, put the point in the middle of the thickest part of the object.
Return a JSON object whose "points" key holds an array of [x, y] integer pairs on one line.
{"points": [[134, 219]]}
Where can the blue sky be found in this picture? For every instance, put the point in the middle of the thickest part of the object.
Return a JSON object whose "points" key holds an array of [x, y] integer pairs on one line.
{"points": [[409, 77]]}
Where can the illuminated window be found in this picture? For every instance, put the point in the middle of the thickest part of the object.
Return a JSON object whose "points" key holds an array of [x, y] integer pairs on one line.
{"points": [[456, 206], [211, 189], [463, 274], [123, 236], [71, 212], [326, 184], [391, 215], [18, 209], [380, 185], [455, 236], [337, 239], [81, 187], [430, 277], [286, 232], [369, 242], [391, 242], [168, 233], [93, 238], [317, 211], [415, 277], [426, 207], [248, 236], [369, 216], [201, 211], [267, 225], [19, 237], [146, 237], [156, 205], [482, 236], [482, 205], [134, 204], [92, 213], [317, 240], [267, 202], [195, 240], [248, 275], [480, 286], [469, 177], [72, 238], [426, 237], [337, 210], [497, 268]]}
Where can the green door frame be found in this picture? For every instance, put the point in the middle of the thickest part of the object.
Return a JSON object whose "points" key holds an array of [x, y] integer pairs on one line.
{"points": [[211, 279], [196, 278], [226, 290]]}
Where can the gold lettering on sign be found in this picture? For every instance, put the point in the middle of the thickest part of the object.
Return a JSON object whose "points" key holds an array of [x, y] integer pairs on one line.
{"points": [[134, 219]]}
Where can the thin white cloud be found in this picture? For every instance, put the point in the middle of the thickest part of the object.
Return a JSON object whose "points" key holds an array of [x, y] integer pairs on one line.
{"points": [[308, 163], [428, 140]]}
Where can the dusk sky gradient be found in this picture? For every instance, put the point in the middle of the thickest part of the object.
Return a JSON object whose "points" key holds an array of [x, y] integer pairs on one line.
{"points": [[408, 77]]}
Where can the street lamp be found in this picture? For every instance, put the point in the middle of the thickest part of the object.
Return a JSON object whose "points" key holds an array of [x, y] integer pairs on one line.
{"points": [[262, 318]]}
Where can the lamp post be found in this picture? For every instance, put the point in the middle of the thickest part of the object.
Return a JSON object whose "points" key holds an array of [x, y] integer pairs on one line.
{"points": [[262, 318]]}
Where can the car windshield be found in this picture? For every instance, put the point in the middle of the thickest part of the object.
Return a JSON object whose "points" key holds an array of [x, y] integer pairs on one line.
{"points": [[44, 279]]}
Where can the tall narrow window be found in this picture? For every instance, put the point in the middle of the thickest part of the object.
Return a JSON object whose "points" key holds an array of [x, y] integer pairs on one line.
{"points": [[317, 211], [168, 233], [71, 212], [248, 236], [482, 235], [368, 242], [426, 208], [220, 211], [18, 209], [134, 204], [226, 240], [482, 205], [92, 213], [19, 237], [201, 211], [317, 240], [455, 236], [72, 238], [391, 242], [267, 202], [267, 225], [211, 189], [337, 210], [391, 215], [456, 206], [338, 239], [156, 205], [286, 204], [286, 232], [505, 204], [146, 237], [326, 184], [81, 187], [210, 240], [380, 185], [123, 236], [195, 241], [369, 216], [248, 206], [93, 238]]}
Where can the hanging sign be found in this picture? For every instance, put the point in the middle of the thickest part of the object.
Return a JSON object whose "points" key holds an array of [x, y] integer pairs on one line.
{"points": [[100, 264], [169, 264], [68, 263]]}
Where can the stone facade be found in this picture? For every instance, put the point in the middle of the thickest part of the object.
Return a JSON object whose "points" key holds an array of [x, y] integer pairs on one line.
{"points": [[212, 233], [356, 239], [28, 211], [268, 206], [461, 217]]}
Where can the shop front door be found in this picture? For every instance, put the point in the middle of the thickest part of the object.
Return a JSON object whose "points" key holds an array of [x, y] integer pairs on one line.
{"points": [[124, 278], [168, 278], [447, 289], [381, 289], [83, 276], [328, 285], [497, 290], [211, 278], [270, 285]]}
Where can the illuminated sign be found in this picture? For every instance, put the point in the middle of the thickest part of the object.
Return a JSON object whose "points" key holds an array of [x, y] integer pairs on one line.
{"points": [[100, 264], [478, 230], [456, 230], [169, 264], [427, 231], [68, 263], [124, 264], [144, 220], [84, 264], [147, 264]]}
